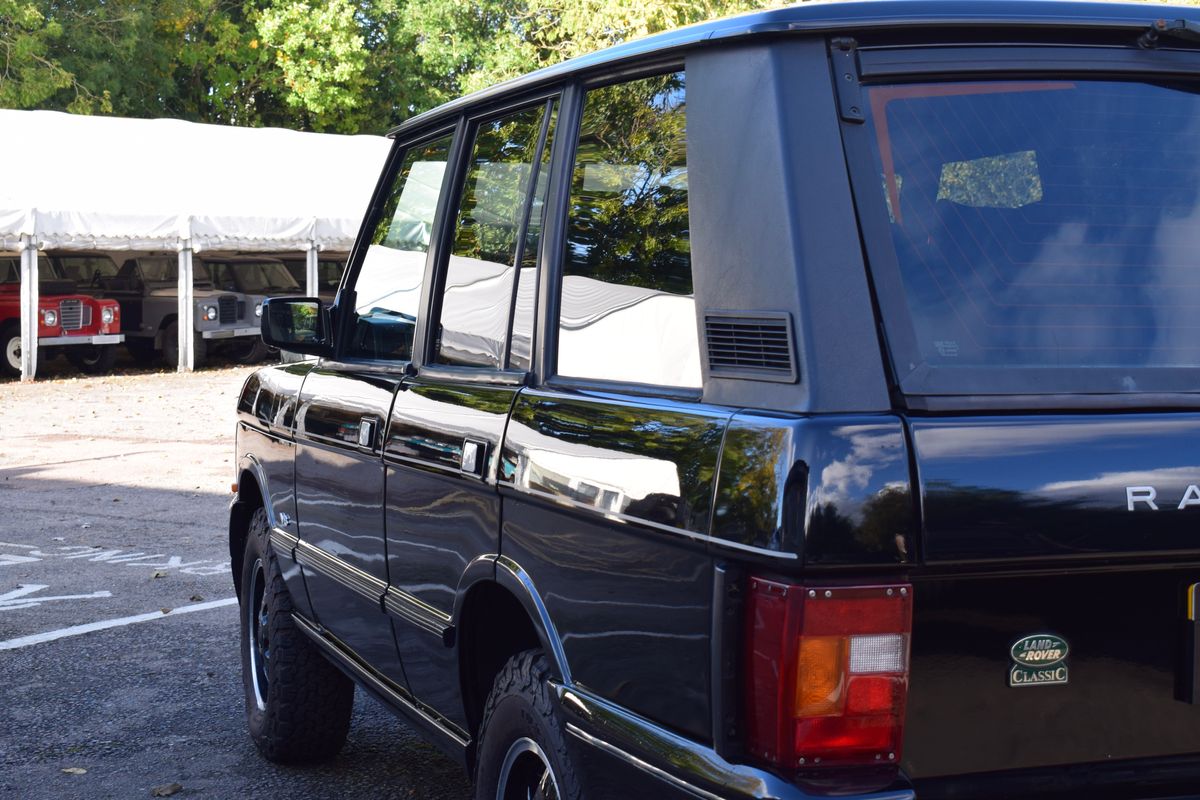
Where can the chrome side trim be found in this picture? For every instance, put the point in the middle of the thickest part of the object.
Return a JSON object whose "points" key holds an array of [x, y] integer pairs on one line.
{"points": [[395, 695], [401, 604], [396, 460], [552, 638], [284, 543], [700, 537], [685, 764], [352, 578], [662, 775]]}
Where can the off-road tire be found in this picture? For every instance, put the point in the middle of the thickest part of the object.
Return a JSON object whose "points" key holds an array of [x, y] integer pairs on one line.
{"points": [[250, 351], [171, 347], [92, 359], [520, 706], [8, 333], [308, 701]]}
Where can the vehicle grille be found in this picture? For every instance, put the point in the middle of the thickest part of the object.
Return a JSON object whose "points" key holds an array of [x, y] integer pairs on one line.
{"points": [[755, 346], [227, 308], [73, 315]]}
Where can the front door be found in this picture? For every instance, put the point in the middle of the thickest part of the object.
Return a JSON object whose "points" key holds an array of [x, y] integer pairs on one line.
{"points": [[345, 405]]}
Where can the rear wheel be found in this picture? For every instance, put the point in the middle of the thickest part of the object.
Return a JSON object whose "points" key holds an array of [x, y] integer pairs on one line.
{"points": [[298, 704], [10, 355], [171, 347], [523, 753], [93, 359]]}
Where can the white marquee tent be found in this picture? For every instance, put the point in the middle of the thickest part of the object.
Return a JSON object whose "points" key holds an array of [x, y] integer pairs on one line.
{"points": [[103, 183]]}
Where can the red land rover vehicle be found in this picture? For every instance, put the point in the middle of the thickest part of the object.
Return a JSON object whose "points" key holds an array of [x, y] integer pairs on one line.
{"points": [[92, 327]]}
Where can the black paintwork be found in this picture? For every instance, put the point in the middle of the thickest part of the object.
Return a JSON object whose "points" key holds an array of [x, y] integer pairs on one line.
{"points": [[623, 521]]}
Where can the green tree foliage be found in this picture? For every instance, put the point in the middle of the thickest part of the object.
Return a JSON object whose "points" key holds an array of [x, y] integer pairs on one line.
{"points": [[343, 65]]}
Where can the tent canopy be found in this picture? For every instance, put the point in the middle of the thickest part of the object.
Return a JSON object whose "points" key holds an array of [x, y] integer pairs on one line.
{"points": [[78, 182]]}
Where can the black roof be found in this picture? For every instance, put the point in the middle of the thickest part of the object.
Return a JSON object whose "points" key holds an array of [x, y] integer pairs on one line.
{"points": [[848, 17]]}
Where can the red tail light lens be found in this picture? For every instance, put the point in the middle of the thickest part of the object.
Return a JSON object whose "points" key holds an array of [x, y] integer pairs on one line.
{"points": [[827, 673]]}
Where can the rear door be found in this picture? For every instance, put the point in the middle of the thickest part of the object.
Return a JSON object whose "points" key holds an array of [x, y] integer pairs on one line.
{"points": [[608, 466], [1033, 243], [448, 421]]}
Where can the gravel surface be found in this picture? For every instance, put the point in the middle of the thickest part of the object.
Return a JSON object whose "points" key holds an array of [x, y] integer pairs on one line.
{"points": [[113, 507]]}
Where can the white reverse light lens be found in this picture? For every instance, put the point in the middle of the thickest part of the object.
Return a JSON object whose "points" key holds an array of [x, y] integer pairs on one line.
{"points": [[50, 317], [210, 312], [882, 653], [258, 310], [106, 315]]}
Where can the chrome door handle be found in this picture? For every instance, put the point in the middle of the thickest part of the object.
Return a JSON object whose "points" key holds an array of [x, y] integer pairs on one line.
{"points": [[366, 432], [474, 457]]}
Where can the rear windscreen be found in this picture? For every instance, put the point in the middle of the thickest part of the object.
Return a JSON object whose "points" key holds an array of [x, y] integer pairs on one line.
{"points": [[1044, 235]]}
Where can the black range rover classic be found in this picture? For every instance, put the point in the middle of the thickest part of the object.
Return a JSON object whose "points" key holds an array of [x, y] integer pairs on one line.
{"points": [[800, 404]]}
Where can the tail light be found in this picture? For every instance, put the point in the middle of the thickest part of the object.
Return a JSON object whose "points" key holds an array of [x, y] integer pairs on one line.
{"points": [[827, 673]]}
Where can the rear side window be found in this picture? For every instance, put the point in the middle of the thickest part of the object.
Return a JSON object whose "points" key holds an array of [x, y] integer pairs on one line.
{"points": [[1045, 235], [492, 241], [627, 311]]}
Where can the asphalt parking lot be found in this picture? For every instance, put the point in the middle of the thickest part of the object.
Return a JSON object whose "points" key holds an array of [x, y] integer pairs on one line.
{"points": [[119, 665]]}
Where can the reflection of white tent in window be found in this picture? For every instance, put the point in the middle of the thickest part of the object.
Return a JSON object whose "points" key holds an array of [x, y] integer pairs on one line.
{"points": [[609, 330], [628, 333]]}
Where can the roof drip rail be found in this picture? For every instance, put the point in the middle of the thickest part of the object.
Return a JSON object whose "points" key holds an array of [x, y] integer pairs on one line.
{"points": [[1178, 29]]}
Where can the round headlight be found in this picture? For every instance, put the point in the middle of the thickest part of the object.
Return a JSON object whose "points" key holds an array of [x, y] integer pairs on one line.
{"points": [[258, 310], [50, 317], [210, 312], [107, 315]]}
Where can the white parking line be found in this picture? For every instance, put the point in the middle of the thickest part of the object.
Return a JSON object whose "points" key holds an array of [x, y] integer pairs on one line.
{"points": [[77, 630]]}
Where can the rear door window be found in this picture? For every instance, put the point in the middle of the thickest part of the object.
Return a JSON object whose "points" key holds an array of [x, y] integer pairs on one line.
{"points": [[1045, 235]]}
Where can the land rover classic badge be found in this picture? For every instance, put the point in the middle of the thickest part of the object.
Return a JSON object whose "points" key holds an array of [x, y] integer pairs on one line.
{"points": [[1041, 660]]}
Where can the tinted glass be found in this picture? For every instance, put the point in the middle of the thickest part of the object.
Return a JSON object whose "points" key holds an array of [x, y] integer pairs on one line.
{"points": [[1047, 234], [627, 312], [478, 290], [388, 287], [86, 270], [520, 339], [253, 277]]}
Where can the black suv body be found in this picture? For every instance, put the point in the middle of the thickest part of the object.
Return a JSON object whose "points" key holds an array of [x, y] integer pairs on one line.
{"points": [[799, 404]]}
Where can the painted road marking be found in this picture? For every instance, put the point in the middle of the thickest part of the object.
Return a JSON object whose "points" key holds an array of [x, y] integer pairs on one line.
{"points": [[78, 630], [19, 598], [96, 554]]}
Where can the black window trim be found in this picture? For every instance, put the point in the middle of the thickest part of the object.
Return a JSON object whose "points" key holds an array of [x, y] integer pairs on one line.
{"points": [[916, 386], [553, 245], [438, 264]]}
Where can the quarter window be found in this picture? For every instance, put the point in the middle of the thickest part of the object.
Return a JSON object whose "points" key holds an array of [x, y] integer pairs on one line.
{"points": [[388, 288], [627, 311]]}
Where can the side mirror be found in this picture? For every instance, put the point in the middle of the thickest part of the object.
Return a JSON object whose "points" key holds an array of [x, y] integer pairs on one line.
{"points": [[298, 324]]}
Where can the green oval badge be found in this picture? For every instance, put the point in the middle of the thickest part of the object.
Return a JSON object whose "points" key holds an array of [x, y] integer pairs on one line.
{"points": [[1040, 650]]}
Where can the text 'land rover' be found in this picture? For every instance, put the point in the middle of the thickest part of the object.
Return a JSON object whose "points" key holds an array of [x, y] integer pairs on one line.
{"points": [[801, 404]]}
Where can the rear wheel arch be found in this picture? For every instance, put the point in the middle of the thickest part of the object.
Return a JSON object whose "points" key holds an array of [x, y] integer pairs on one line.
{"points": [[493, 625]]}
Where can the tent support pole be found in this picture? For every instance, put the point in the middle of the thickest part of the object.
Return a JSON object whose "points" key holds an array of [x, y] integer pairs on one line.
{"points": [[311, 268], [187, 308], [29, 307]]}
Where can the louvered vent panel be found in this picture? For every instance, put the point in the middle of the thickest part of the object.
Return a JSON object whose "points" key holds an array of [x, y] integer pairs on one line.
{"points": [[752, 346]]}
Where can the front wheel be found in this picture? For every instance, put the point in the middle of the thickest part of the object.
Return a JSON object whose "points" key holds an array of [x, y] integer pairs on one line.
{"points": [[248, 350], [93, 359], [523, 752], [298, 704], [10, 355], [171, 347]]}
